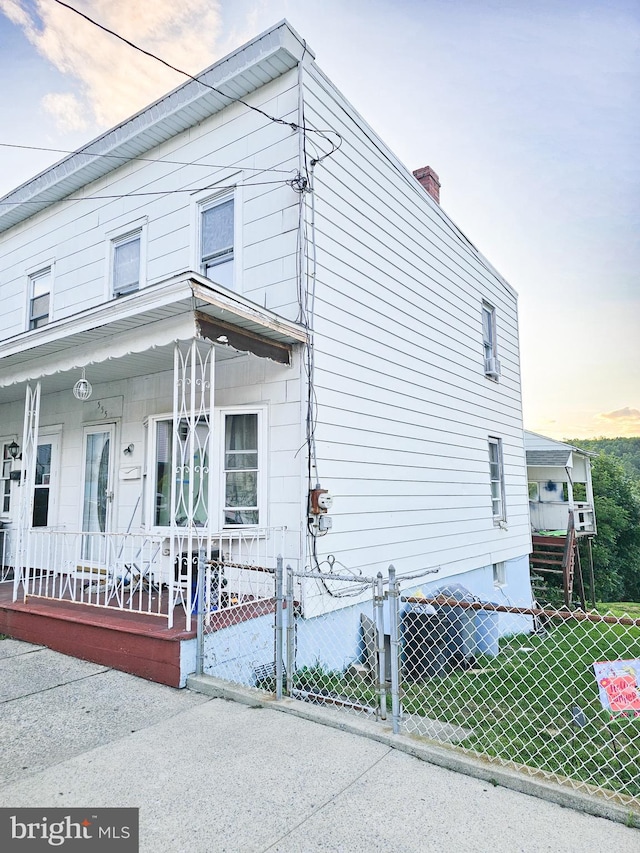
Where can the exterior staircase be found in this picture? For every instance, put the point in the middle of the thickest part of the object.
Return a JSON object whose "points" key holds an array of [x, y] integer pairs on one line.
{"points": [[559, 555]]}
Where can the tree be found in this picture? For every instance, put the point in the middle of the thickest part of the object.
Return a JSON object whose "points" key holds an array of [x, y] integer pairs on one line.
{"points": [[616, 548]]}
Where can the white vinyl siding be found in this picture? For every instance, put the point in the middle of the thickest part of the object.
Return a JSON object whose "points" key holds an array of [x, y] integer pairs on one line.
{"points": [[403, 408]]}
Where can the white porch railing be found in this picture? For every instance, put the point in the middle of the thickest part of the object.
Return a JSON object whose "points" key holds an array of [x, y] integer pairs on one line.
{"points": [[554, 515], [148, 573], [584, 518]]}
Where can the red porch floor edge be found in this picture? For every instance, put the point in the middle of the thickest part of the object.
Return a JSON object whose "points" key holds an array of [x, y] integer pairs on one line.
{"points": [[136, 643]]}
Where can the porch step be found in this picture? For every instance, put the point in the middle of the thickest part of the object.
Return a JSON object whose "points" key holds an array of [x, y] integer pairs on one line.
{"points": [[135, 643]]}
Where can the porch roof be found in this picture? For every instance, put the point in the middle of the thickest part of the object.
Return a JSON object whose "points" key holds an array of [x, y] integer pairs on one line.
{"points": [[144, 326], [549, 458]]}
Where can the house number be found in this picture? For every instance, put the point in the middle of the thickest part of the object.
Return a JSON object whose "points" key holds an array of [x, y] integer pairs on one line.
{"points": [[102, 409]]}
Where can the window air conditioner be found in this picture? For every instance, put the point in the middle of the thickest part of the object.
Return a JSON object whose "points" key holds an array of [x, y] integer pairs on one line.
{"points": [[492, 367]]}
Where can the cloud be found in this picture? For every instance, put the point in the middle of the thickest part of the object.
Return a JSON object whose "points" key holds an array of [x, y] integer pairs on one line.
{"points": [[112, 79], [621, 422], [67, 109], [625, 414]]}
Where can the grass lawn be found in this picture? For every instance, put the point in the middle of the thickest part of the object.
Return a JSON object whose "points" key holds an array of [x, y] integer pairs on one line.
{"points": [[537, 703], [620, 608]]}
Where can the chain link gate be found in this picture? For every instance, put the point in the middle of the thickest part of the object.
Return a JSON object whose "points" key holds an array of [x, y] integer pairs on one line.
{"points": [[273, 632]]}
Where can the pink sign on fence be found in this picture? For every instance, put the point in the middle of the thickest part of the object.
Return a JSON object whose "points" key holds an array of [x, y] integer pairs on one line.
{"points": [[619, 686]]}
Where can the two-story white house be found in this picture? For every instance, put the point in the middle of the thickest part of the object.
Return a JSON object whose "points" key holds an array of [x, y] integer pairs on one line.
{"points": [[232, 299]]}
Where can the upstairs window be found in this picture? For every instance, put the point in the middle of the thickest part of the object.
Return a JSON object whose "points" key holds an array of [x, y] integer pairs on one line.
{"points": [[496, 473], [217, 240], [126, 263], [39, 298], [491, 363]]}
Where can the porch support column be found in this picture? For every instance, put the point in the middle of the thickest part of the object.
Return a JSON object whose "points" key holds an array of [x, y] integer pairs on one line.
{"points": [[192, 514], [27, 486], [570, 499], [590, 500]]}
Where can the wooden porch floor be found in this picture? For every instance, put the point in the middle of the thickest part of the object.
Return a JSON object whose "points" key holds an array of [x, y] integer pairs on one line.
{"points": [[137, 643]]}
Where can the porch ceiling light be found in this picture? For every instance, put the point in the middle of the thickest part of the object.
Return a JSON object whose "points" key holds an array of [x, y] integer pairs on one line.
{"points": [[13, 449], [82, 390]]}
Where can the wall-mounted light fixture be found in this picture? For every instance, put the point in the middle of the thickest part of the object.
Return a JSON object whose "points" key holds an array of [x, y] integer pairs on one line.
{"points": [[13, 449], [128, 450]]}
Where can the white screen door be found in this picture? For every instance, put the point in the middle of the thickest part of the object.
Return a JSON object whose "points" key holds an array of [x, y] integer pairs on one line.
{"points": [[97, 491]]}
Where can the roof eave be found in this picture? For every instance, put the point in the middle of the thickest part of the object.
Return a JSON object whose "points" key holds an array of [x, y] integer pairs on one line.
{"points": [[274, 51]]}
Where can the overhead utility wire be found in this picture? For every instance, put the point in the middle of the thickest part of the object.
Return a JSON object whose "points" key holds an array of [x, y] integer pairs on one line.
{"points": [[230, 98], [142, 159], [150, 192]]}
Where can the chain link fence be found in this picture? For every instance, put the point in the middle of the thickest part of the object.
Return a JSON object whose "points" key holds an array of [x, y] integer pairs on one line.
{"points": [[551, 693]]}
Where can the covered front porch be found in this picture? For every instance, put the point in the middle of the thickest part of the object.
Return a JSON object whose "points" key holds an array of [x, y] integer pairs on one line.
{"points": [[157, 464]]}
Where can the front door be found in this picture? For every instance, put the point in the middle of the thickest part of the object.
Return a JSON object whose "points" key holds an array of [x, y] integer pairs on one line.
{"points": [[97, 491]]}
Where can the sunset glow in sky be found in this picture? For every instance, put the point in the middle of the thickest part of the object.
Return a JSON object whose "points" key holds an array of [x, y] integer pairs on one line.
{"points": [[527, 111]]}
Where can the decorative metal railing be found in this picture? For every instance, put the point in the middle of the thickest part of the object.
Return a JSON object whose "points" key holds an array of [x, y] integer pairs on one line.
{"points": [[147, 573]]}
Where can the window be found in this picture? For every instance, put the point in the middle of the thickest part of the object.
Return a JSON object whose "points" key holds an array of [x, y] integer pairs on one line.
{"points": [[42, 488], [236, 459], [39, 298], [534, 492], [499, 575], [241, 469], [5, 481], [217, 240], [195, 474], [126, 263], [497, 480], [491, 363]]}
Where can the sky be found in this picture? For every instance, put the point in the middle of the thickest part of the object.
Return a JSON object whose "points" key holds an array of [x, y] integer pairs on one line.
{"points": [[528, 112]]}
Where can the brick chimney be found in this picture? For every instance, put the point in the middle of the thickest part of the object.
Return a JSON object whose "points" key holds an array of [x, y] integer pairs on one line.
{"points": [[430, 181]]}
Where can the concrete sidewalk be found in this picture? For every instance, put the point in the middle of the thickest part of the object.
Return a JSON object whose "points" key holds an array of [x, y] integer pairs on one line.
{"points": [[212, 776]]}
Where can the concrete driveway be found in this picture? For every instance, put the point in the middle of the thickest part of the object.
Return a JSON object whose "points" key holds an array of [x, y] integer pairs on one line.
{"points": [[211, 776]]}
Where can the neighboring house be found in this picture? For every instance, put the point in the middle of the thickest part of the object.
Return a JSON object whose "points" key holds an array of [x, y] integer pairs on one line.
{"points": [[234, 299], [562, 509]]}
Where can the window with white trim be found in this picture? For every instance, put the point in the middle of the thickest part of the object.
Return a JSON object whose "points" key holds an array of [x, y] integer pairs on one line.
{"points": [[241, 469], [39, 298], [126, 263], [238, 459], [491, 363], [6, 463], [496, 473], [217, 239]]}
